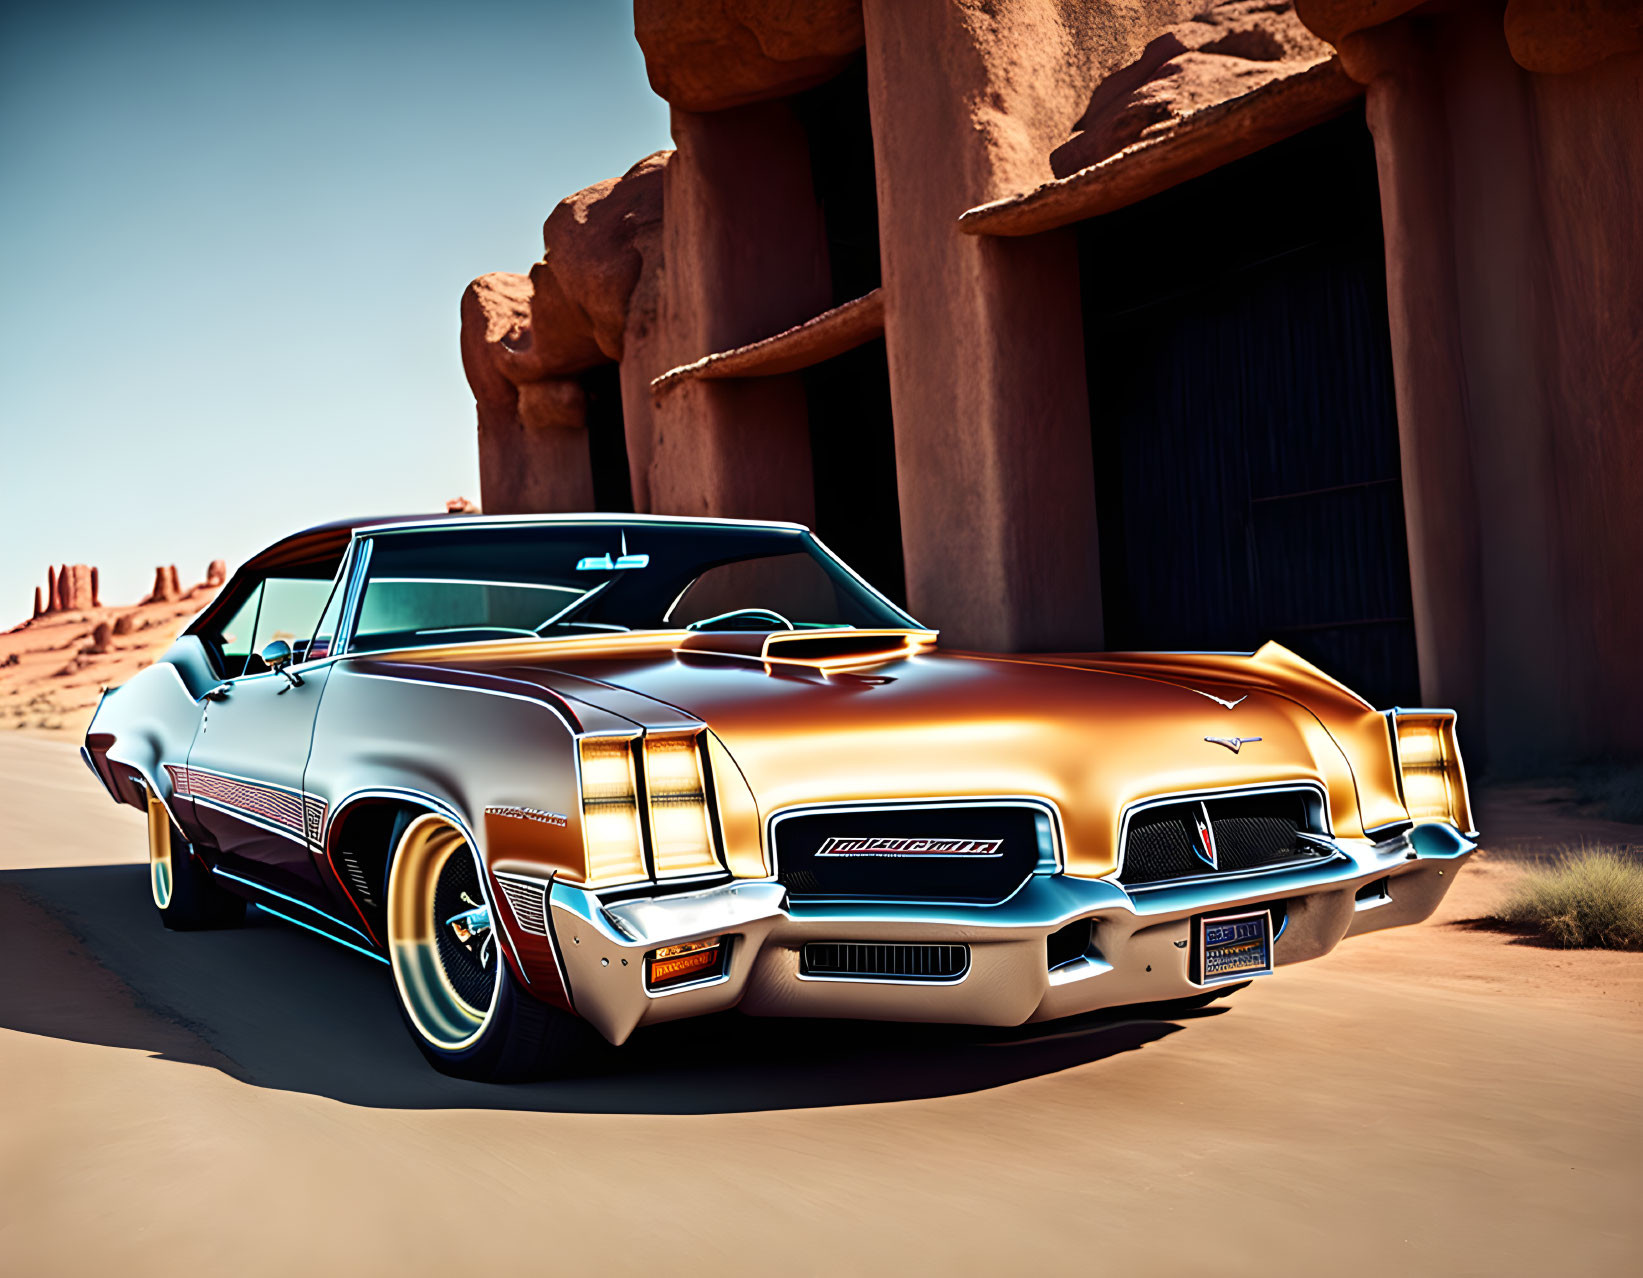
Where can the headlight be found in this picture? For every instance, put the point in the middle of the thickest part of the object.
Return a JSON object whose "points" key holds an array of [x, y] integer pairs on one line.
{"points": [[681, 828], [1434, 782], [677, 816], [610, 811]]}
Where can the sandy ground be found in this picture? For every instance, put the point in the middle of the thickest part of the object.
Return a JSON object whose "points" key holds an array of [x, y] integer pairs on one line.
{"points": [[1435, 1100]]}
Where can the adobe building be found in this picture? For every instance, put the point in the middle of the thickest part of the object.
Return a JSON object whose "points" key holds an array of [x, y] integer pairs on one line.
{"points": [[1134, 324]]}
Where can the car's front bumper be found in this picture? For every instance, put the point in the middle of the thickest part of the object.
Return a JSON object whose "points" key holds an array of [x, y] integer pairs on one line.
{"points": [[1140, 953]]}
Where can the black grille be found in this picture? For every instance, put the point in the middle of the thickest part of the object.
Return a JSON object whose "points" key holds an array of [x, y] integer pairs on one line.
{"points": [[901, 962], [1159, 846], [1249, 832], [1257, 831], [979, 853]]}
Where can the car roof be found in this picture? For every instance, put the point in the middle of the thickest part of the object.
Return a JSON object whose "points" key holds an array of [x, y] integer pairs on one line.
{"points": [[322, 541]]}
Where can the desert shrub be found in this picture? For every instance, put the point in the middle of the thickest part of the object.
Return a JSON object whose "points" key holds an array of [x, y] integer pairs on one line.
{"points": [[1590, 899]]}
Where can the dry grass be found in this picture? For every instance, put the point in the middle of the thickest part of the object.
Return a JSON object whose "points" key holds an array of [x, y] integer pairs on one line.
{"points": [[1591, 899]]}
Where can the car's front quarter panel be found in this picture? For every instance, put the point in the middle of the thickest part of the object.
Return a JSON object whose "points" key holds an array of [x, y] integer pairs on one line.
{"points": [[502, 763]]}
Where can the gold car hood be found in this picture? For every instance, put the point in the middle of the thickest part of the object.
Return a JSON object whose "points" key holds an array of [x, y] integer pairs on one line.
{"points": [[934, 723]]}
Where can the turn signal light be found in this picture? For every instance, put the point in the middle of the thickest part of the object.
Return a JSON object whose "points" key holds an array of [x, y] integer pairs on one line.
{"points": [[676, 964], [681, 829], [1434, 781], [613, 844]]}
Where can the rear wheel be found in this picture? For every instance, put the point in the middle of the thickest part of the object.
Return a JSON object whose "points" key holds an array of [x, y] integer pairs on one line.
{"points": [[462, 1004], [182, 888]]}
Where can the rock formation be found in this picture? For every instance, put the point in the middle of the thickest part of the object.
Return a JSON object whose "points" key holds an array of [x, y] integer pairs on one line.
{"points": [[166, 585], [1223, 53], [525, 338], [69, 588], [216, 573], [713, 54]]}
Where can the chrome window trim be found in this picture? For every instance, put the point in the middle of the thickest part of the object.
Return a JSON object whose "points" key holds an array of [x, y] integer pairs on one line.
{"points": [[822, 546], [347, 622], [1313, 788], [344, 642], [571, 517], [341, 581]]}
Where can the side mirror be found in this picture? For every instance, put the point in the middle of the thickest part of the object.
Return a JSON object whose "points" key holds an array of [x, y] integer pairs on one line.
{"points": [[276, 656]]}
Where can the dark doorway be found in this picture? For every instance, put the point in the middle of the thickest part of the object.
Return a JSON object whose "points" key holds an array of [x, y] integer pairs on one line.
{"points": [[607, 438], [1241, 399], [853, 459], [840, 131]]}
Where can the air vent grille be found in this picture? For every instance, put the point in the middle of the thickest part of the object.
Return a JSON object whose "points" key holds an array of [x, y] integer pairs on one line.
{"points": [[528, 899], [884, 962]]}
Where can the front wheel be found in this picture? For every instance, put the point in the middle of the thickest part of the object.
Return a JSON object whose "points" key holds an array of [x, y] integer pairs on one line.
{"points": [[184, 894], [463, 1007]]}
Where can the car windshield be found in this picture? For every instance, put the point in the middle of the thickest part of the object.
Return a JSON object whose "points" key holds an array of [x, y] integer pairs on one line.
{"points": [[463, 585]]}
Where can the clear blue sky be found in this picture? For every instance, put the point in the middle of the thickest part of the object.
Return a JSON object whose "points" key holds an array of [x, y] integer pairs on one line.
{"points": [[233, 240]]}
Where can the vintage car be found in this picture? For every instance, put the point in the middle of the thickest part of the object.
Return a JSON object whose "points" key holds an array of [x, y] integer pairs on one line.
{"points": [[611, 770]]}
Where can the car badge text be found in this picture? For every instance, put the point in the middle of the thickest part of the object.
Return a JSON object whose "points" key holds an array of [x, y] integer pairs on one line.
{"points": [[911, 847], [1234, 744], [527, 814]]}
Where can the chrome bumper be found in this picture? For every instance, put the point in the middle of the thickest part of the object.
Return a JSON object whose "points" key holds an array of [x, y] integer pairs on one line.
{"points": [[1139, 954]]}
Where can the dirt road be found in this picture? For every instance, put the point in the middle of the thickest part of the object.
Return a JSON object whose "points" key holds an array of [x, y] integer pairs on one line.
{"points": [[1437, 1100]]}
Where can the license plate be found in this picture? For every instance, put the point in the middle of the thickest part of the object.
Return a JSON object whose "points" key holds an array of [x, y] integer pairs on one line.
{"points": [[1233, 947]]}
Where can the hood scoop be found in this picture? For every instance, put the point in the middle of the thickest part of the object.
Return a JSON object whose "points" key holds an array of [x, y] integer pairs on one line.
{"points": [[824, 650]]}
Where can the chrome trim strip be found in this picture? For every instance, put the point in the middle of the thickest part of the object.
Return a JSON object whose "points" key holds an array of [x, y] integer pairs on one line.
{"points": [[239, 814], [309, 927], [871, 588], [262, 887], [527, 520], [435, 804], [343, 641]]}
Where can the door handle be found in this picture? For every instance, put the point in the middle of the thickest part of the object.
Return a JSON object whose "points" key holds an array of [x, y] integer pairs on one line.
{"points": [[220, 692]]}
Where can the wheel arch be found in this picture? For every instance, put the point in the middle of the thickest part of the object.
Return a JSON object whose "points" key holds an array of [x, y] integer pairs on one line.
{"points": [[362, 836]]}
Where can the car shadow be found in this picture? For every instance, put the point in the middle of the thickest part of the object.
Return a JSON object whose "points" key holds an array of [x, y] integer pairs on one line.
{"points": [[277, 1007]]}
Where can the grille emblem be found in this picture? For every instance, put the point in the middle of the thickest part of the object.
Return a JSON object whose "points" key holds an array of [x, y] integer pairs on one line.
{"points": [[1234, 744], [1206, 838], [911, 847]]}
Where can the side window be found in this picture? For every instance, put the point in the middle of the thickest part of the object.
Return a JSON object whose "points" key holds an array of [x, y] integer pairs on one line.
{"points": [[233, 643], [291, 608]]}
